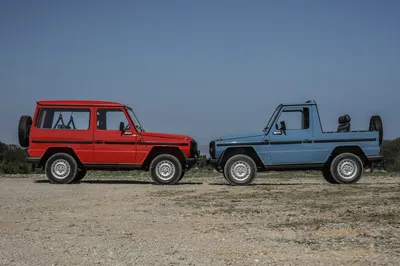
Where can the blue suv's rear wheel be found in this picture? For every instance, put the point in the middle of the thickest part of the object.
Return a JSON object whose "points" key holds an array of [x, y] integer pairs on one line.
{"points": [[346, 168], [240, 170]]}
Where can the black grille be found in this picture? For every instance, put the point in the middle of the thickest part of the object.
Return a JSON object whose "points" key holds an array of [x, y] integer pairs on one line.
{"points": [[193, 149]]}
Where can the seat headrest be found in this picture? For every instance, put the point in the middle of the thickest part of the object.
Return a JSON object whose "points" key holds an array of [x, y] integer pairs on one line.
{"points": [[344, 119]]}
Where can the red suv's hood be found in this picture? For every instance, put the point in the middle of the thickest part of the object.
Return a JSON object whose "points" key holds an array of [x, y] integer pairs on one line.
{"points": [[166, 135]]}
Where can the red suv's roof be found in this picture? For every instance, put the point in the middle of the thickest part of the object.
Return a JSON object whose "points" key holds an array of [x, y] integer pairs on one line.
{"points": [[79, 102]]}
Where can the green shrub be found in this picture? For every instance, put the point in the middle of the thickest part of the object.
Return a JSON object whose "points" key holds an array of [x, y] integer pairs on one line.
{"points": [[394, 166], [13, 160], [15, 168], [390, 151]]}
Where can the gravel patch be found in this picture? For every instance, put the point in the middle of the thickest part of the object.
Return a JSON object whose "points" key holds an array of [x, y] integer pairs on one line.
{"points": [[282, 219]]}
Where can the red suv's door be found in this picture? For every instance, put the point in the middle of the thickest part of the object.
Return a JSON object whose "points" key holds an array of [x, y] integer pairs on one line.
{"points": [[111, 146]]}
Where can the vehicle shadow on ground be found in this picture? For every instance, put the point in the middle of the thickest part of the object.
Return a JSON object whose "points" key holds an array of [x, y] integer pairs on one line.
{"points": [[126, 182], [308, 183], [271, 184]]}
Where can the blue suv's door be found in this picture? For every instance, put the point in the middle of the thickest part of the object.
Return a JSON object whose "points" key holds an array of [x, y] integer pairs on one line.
{"points": [[293, 145]]}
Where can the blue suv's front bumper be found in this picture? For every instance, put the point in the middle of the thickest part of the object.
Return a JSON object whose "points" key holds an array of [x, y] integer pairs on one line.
{"points": [[211, 161]]}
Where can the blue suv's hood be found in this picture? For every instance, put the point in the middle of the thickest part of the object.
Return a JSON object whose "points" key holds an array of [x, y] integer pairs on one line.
{"points": [[241, 137]]}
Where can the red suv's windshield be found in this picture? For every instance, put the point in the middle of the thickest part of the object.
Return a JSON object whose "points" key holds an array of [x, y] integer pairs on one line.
{"points": [[134, 119]]}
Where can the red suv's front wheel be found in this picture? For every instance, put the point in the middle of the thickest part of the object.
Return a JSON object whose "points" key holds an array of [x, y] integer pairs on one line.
{"points": [[165, 169]]}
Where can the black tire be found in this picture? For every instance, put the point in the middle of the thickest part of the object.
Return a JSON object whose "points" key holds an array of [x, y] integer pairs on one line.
{"points": [[224, 175], [353, 162], [182, 175], [24, 128], [169, 162], [64, 161], [246, 162], [81, 173], [326, 173], [375, 124]]}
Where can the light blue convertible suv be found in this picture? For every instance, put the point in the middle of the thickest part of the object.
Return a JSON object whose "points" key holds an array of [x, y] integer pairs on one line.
{"points": [[294, 139]]}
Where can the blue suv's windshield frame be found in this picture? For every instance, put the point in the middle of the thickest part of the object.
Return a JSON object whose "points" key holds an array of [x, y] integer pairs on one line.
{"points": [[272, 119]]}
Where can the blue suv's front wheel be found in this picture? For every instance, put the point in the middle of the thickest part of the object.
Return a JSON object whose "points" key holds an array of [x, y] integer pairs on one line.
{"points": [[240, 170]]}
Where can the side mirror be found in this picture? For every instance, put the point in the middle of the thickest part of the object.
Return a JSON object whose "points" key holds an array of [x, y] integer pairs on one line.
{"points": [[121, 126], [283, 127], [279, 128]]}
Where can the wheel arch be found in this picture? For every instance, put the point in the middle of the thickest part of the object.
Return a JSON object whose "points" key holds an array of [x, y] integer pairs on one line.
{"points": [[354, 149], [53, 150], [158, 150], [246, 150]]}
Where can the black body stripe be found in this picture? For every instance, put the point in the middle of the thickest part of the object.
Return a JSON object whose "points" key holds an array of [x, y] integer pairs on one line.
{"points": [[64, 141], [261, 143], [243, 144], [294, 142], [118, 142], [163, 143], [343, 140], [143, 143], [108, 142], [286, 142]]}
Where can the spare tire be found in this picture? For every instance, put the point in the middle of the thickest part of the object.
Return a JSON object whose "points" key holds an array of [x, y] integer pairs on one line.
{"points": [[24, 128], [375, 124]]}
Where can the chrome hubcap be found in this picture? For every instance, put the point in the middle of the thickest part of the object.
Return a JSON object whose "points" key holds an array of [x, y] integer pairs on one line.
{"points": [[165, 170], [347, 169], [240, 170], [60, 169]]}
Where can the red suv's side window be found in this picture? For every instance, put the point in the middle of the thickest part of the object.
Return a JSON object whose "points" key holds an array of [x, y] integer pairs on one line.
{"points": [[64, 118], [110, 119]]}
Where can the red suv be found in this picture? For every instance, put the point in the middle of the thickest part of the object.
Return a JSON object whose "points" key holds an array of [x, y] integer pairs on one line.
{"points": [[67, 138]]}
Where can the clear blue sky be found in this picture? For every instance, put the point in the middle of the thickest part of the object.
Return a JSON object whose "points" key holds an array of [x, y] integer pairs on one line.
{"points": [[203, 68]]}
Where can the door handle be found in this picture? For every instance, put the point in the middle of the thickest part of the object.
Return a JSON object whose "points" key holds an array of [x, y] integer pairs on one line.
{"points": [[99, 141], [307, 141], [277, 133]]}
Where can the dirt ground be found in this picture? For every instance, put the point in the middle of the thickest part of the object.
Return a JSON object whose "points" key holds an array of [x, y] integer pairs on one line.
{"points": [[283, 219]]}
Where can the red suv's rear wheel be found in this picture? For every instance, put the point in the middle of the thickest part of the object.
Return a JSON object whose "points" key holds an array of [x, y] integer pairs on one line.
{"points": [[61, 168]]}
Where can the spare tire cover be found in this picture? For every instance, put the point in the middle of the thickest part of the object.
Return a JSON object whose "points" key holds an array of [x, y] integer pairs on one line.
{"points": [[24, 127], [375, 124]]}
